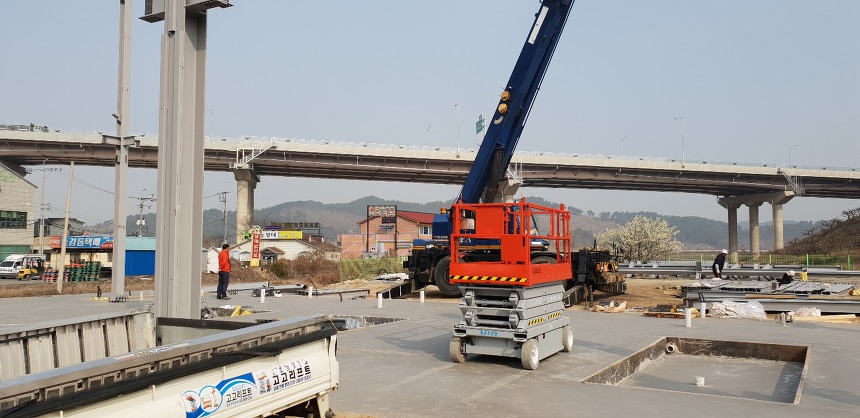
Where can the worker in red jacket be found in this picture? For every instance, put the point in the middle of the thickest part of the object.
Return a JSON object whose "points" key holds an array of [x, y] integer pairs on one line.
{"points": [[223, 272]]}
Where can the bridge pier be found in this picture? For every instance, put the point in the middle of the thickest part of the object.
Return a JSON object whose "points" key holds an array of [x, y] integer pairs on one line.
{"points": [[755, 243], [754, 201], [246, 182], [778, 242], [733, 230]]}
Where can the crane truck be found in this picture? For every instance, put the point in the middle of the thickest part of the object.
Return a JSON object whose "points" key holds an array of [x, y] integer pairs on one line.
{"points": [[488, 180], [510, 275], [514, 280]]}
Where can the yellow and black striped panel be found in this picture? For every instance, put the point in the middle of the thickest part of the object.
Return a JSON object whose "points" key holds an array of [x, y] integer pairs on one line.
{"points": [[540, 320], [491, 279], [536, 321]]}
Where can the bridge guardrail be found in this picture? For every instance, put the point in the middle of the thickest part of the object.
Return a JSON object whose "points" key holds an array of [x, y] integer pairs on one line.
{"points": [[361, 144]]}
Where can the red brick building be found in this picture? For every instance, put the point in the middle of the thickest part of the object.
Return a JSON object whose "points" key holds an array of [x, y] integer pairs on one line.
{"points": [[376, 236]]}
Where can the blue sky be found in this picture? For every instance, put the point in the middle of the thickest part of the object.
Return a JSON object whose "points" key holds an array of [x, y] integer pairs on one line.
{"points": [[751, 79]]}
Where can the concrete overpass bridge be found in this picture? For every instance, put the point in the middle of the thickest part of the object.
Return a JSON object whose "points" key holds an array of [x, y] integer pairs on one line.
{"points": [[733, 183]]}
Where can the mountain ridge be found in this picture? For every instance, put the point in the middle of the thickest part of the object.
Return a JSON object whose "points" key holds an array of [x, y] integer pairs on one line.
{"points": [[343, 218]]}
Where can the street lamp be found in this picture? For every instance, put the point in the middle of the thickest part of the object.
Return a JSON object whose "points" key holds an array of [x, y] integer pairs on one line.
{"points": [[458, 129], [682, 137], [789, 153], [42, 212], [622, 145]]}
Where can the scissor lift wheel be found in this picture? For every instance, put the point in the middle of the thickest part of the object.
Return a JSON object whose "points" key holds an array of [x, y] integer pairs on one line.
{"points": [[455, 349], [566, 339], [529, 355]]}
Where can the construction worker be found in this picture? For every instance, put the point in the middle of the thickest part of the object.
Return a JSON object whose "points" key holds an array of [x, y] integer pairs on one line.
{"points": [[719, 264], [787, 278], [223, 272]]}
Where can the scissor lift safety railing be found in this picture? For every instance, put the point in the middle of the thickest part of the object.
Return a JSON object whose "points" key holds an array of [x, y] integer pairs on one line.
{"points": [[524, 256]]}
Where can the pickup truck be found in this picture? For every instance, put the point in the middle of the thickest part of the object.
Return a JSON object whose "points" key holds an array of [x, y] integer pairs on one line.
{"points": [[279, 368]]}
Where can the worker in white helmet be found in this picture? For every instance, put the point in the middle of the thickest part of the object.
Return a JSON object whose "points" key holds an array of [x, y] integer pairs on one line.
{"points": [[787, 278], [719, 264]]}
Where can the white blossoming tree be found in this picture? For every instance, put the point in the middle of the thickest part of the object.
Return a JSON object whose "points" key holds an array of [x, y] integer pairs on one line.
{"points": [[642, 239]]}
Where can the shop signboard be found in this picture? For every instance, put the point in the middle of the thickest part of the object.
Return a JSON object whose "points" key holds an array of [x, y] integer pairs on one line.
{"points": [[84, 242]]}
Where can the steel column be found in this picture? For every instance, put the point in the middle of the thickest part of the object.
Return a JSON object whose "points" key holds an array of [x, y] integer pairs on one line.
{"points": [[180, 163], [121, 170]]}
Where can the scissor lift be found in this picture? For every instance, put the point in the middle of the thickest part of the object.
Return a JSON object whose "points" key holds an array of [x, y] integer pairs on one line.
{"points": [[511, 278]]}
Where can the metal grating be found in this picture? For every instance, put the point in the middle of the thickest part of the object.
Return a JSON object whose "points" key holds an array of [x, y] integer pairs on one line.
{"points": [[46, 346]]}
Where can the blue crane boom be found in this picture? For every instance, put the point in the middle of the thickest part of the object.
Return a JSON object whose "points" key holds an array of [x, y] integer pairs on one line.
{"points": [[430, 259], [484, 178]]}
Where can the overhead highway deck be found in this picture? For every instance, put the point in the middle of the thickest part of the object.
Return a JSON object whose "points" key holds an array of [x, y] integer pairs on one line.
{"points": [[291, 157]]}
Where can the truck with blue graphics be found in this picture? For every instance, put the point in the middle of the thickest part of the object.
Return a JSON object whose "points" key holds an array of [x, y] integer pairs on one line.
{"points": [[141, 366]]}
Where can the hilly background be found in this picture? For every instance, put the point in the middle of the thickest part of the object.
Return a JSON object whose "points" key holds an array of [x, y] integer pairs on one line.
{"points": [[696, 233]]}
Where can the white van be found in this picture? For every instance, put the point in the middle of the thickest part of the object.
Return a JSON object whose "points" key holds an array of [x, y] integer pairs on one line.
{"points": [[13, 264]]}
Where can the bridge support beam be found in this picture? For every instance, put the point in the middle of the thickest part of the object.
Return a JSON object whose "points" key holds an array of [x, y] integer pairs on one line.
{"points": [[778, 241], [246, 182], [753, 201], [755, 243], [733, 229]]}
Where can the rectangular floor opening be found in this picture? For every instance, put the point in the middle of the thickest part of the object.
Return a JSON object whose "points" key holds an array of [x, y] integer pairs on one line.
{"points": [[736, 369]]}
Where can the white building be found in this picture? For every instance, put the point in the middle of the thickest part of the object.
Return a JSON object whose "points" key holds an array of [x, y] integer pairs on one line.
{"points": [[286, 249], [17, 210]]}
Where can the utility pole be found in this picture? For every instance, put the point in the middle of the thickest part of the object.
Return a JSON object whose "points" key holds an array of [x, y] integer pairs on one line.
{"points": [[42, 208], [122, 142], [683, 123], [222, 197], [65, 230], [142, 201], [42, 212], [458, 129]]}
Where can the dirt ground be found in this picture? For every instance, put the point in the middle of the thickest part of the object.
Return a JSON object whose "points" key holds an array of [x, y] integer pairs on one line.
{"points": [[641, 292]]}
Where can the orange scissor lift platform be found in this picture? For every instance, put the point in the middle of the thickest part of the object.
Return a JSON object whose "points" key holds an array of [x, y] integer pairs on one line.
{"points": [[507, 227], [511, 277]]}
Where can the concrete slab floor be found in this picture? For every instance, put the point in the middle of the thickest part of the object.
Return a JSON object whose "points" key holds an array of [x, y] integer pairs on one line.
{"points": [[402, 368]]}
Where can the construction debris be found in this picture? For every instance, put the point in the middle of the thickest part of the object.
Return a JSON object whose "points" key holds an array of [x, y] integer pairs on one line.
{"points": [[669, 311], [611, 308], [830, 298], [805, 312], [729, 309], [847, 318]]}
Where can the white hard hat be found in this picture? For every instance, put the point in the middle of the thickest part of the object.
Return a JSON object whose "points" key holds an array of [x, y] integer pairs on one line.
{"points": [[791, 272], [725, 251]]}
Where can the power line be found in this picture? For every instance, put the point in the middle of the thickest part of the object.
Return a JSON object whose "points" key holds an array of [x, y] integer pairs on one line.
{"points": [[77, 215], [86, 183]]}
